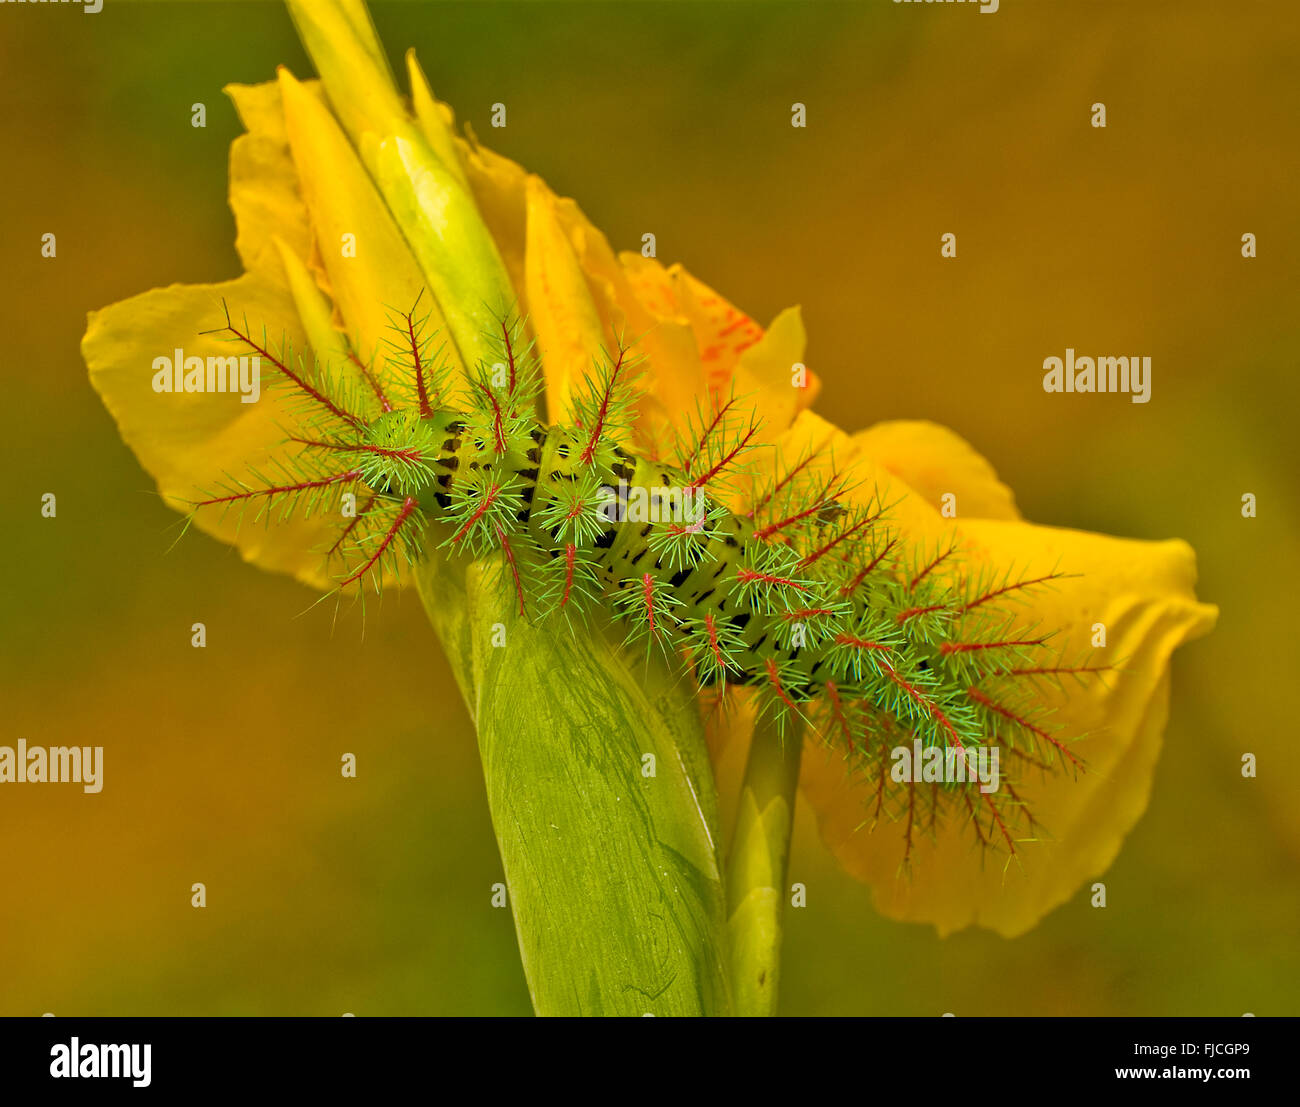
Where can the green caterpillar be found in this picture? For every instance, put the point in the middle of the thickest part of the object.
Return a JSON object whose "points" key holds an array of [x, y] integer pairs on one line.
{"points": [[807, 598]]}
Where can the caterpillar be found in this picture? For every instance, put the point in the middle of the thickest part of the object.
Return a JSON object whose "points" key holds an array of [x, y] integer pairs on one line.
{"points": [[789, 583]]}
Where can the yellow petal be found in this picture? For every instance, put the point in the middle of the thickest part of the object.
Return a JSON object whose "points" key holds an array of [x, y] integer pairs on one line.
{"points": [[722, 331], [497, 185], [673, 379], [809, 435], [677, 381], [191, 442], [731, 351], [263, 181], [1143, 593], [382, 277], [934, 461], [673, 376], [564, 318], [766, 375], [315, 311]]}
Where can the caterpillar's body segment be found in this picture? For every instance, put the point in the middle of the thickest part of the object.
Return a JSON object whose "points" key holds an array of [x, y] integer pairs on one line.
{"points": [[620, 550], [807, 598]]}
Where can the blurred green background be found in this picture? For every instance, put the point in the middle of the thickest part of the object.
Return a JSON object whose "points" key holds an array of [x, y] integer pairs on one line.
{"points": [[372, 895]]}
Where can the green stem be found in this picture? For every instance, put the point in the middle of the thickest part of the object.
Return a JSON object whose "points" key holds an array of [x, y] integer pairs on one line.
{"points": [[602, 800], [756, 868]]}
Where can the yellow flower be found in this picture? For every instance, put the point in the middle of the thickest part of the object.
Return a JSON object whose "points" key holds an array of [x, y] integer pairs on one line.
{"points": [[306, 180]]}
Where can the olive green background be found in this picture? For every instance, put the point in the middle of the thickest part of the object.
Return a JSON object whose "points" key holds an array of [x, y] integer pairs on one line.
{"points": [[373, 896]]}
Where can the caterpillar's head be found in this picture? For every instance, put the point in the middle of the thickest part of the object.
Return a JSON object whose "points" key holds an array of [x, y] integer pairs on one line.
{"points": [[398, 450]]}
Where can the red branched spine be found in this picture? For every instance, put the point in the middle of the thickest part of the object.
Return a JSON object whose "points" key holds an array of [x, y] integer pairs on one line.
{"points": [[998, 709], [844, 535], [371, 380], [410, 455], [602, 412], [1059, 670], [800, 614], [485, 504], [343, 534], [868, 569], [301, 384], [510, 354], [774, 679], [648, 585], [276, 490], [403, 514], [837, 713], [931, 568], [753, 576], [514, 567], [498, 421], [950, 648], [711, 628], [696, 483], [1006, 834], [707, 433], [776, 488], [916, 612], [854, 642], [417, 363], [1019, 585], [925, 703]]}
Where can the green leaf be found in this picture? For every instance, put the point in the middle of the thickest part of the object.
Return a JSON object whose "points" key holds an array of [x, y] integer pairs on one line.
{"points": [[614, 875]]}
